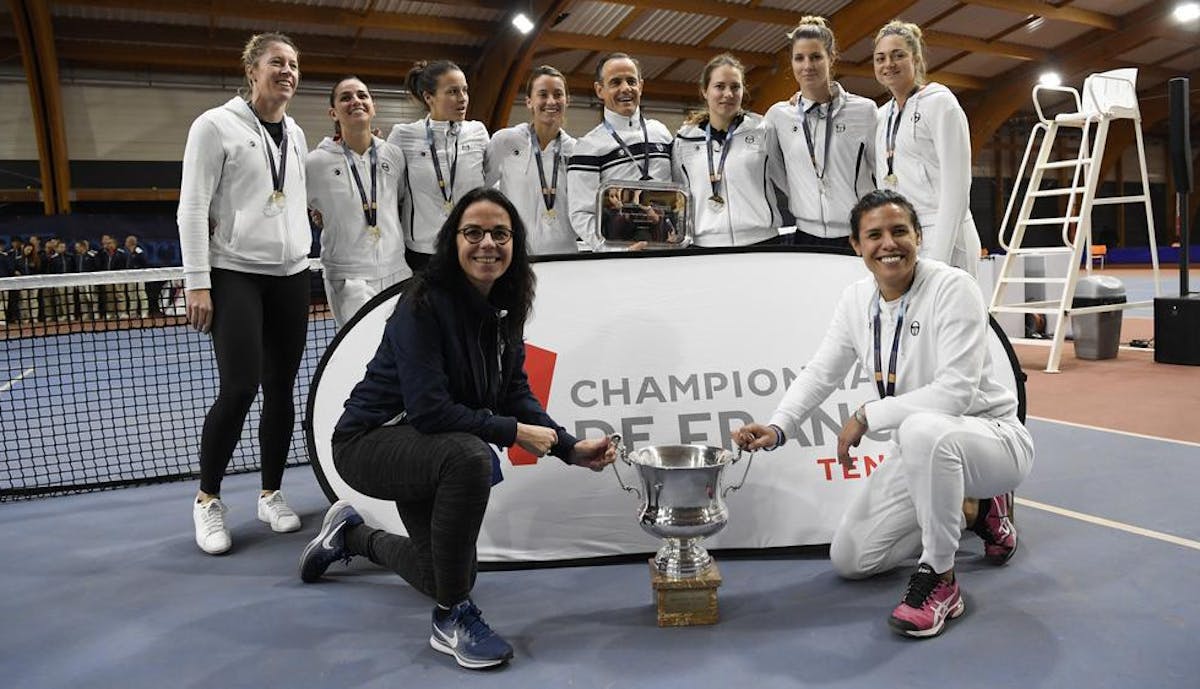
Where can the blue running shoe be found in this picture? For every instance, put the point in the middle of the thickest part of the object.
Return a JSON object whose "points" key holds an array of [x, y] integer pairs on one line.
{"points": [[330, 544], [462, 633]]}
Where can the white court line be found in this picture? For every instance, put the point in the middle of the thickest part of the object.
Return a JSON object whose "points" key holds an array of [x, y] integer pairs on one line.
{"points": [[1101, 521], [8, 386], [1113, 430]]}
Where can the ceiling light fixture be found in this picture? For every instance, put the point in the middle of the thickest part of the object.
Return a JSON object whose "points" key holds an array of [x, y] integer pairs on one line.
{"points": [[1050, 79], [1187, 11], [522, 22]]}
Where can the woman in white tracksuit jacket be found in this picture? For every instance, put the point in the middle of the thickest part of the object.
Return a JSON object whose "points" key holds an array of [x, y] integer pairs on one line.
{"points": [[924, 147], [729, 161], [529, 164], [244, 233], [355, 183], [827, 138], [444, 153], [956, 440]]}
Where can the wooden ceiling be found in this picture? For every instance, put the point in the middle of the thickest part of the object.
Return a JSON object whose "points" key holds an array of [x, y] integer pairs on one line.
{"points": [[990, 52]]}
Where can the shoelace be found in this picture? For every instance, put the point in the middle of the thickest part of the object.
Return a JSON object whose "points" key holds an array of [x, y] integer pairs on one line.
{"points": [[212, 517], [276, 504], [920, 587], [471, 618]]}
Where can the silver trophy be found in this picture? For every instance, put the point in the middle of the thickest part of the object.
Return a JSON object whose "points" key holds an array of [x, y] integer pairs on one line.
{"points": [[682, 499]]}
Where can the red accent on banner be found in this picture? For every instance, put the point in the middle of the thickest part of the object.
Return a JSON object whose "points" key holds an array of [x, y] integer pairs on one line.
{"points": [[539, 365]]}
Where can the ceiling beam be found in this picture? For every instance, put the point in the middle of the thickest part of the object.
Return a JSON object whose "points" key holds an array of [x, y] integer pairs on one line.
{"points": [[604, 44], [35, 34], [1045, 10], [269, 12], [715, 8], [1016, 51], [1011, 90]]}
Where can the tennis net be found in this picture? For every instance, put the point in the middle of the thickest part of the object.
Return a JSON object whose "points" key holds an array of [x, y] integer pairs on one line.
{"points": [[103, 384]]}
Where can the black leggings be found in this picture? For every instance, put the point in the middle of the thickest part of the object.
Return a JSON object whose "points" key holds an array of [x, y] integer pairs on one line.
{"points": [[258, 333], [440, 484]]}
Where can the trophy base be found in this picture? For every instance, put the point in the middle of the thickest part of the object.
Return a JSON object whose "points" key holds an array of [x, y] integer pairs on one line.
{"points": [[686, 601]]}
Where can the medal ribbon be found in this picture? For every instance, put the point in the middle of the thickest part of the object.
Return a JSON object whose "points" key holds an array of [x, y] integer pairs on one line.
{"points": [[890, 131], [808, 138], [716, 176], [548, 192], [278, 176], [447, 194], [645, 166], [370, 209], [889, 389]]}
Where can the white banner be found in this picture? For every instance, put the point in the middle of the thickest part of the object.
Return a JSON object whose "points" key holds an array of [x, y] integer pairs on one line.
{"points": [[665, 349]]}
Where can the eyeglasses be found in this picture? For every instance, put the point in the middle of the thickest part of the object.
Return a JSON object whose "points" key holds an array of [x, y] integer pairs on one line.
{"points": [[474, 235]]}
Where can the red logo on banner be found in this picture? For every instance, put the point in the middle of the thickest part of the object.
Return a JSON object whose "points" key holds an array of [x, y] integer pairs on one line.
{"points": [[539, 365]]}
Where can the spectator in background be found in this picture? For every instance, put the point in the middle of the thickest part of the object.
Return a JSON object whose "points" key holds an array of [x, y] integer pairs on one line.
{"points": [[84, 261], [111, 257], [7, 268], [136, 292], [54, 306], [28, 262]]}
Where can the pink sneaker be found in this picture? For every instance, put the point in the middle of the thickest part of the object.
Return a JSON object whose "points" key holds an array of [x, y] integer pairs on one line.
{"points": [[997, 529], [927, 604]]}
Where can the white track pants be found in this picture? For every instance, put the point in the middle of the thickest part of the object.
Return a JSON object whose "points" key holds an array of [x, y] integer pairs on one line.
{"points": [[912, 504], [346, 297]]}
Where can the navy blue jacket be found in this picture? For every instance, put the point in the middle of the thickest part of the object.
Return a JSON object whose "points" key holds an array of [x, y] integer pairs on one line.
{"points": [[85, 262], [8, 266], [117, 260], [437, 365]]}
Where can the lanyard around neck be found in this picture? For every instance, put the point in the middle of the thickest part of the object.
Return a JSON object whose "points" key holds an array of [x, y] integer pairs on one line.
{"points": [[548, 192], [278, 175], [447, 193], [887, 389], [370, 208], [892, 129], [718, 175], [645, 166], [808, 138]]}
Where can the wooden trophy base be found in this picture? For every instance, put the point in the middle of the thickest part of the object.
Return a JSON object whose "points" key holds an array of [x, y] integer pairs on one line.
{"points": [[683, 602]]}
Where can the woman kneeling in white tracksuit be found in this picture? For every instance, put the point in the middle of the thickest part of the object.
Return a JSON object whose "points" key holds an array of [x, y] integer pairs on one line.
{"points": [[956, 438], [355, 183], [728, 159]]}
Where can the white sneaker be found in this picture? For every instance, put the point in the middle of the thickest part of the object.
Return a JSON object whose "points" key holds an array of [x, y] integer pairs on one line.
{"points": [[211, 534], [273, 510]]}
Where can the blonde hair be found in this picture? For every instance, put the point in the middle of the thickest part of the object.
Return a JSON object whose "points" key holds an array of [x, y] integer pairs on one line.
{"points": [[911, 34], [256, 46], [815, 28], [722, 60]]}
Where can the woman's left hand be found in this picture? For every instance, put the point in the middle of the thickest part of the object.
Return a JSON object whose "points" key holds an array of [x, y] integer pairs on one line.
{"points": [[593, 453]]}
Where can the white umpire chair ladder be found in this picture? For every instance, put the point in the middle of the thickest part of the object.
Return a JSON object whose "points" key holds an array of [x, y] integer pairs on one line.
{"points": [[1107, 96]]}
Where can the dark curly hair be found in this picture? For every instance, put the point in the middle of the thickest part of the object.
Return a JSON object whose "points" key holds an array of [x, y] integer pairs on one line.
{"points": [[513, 290]]}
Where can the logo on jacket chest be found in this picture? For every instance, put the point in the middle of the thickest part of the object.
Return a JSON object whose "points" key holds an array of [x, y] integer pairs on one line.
{"points": [[914, 328]]}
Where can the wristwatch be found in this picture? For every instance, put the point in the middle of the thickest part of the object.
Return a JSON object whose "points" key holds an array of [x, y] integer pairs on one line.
{"points": [[860, 415]]}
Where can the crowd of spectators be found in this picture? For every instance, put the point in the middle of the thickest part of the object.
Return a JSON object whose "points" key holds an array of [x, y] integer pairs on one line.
{"points": [[33, 255]]}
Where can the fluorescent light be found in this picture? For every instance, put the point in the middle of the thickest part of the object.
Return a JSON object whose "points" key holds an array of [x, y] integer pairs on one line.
{"points": [[1187, 11], [523, 24], [1050, 79]]}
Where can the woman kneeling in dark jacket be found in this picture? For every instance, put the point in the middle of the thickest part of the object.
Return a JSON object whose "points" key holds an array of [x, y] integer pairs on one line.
{"points": [[447, 381]]}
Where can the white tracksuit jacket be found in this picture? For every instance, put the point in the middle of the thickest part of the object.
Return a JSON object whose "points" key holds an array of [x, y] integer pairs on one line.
{"points": [[933, 170], [598, 160], [348, 250], [943, 361], [823, 210], [422, 214], [752, 169], [511, 164], [225, 187]]}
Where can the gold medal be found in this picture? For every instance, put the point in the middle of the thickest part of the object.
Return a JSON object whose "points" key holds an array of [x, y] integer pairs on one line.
{"points": [[375, 232], [717, 200], [278, 198], [890, 180], [551, 214], [447, 206]]}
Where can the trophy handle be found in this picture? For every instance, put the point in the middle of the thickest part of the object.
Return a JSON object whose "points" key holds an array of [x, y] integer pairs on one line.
{"points": [[729, 489], [623, 455]]}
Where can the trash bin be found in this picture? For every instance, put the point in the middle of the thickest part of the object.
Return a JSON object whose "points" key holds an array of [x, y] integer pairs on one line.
{"points": [[1097, 335]]}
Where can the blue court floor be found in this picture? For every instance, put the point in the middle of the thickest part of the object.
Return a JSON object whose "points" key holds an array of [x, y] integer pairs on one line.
{"points": [[109, 590]]}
